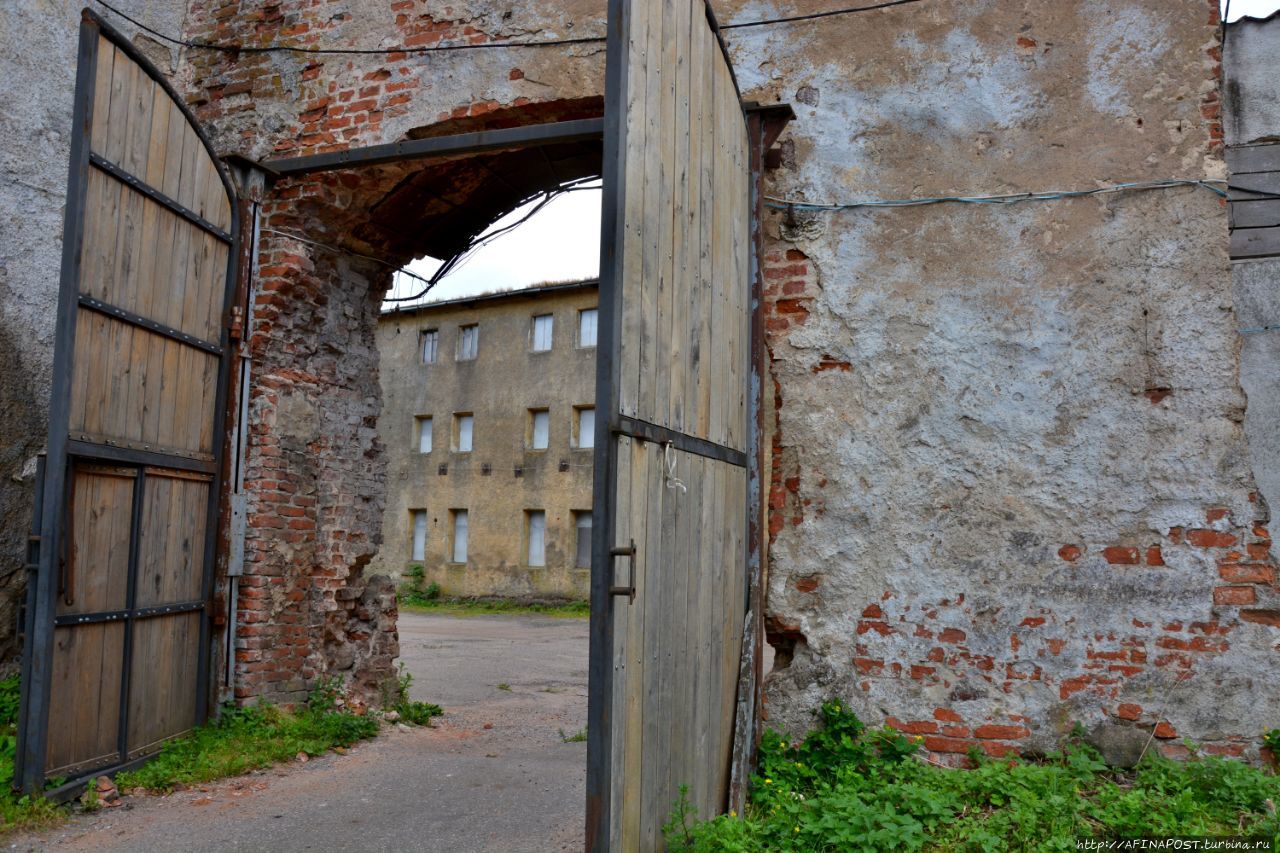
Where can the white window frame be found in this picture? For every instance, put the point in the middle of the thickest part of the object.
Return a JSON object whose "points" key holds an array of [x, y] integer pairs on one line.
{"points": [[418, 526], [536, 415], [429, 345], [460, 522], [535, 527], [579, 432], [541, 332], [578, 527], [594, 314], [468, 342], [426, 433], [464, 432]]}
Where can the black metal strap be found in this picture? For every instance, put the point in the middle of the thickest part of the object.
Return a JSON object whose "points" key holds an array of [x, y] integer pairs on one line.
{"points": [[136, 183], [680, 441], [120, 615], [148, 324]]}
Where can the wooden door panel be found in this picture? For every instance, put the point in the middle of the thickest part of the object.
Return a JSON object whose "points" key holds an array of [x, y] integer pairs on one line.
{"points": [[670, 558], [118, 646]]}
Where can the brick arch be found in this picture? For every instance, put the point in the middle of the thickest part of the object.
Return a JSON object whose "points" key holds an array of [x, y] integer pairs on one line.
{"points": [[316, 471]]}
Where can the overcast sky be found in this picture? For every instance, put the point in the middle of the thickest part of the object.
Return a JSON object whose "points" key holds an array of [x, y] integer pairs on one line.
{"points": [[1252, 8], [563, 241]]}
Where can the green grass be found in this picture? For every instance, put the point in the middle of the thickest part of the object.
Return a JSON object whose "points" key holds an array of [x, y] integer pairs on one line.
{"points": [[18, 812], [579, 737], [419, 603], [846, 788], [248, 738]]}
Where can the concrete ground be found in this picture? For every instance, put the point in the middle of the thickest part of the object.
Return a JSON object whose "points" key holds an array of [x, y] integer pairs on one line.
{"points": [[494, 775]]}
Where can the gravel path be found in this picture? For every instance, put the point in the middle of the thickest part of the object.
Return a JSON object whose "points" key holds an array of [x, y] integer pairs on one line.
{"points": [[494, 775]]}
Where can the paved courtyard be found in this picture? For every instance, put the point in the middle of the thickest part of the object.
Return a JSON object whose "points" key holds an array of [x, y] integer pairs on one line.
{"points": [[493, 775]]}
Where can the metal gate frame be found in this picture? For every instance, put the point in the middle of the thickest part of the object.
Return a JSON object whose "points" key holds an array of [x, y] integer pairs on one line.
{"points": [[63, 451]]}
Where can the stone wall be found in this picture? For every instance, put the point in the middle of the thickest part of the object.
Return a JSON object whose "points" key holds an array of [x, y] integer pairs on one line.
{"points": [[1012, 491]]}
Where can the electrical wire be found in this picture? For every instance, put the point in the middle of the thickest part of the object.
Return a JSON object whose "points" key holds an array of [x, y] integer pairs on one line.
{"points": [[446, 48], [793, 19], [1006, 198]]}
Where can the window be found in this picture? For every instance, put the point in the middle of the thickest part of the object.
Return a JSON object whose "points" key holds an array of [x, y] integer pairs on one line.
{"points": [[419, 534], [468, 342], [582, 525], [430, 342], [587, 327], [459, 535], [536, 521], [585, 428], [541, 333], [424, 435], [463, 426], [539, 428]]}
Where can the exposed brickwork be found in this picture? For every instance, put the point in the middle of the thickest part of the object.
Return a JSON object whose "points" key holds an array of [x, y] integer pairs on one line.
{"points": [[315, 478]]}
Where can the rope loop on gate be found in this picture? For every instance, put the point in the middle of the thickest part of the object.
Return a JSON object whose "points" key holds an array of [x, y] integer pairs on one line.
{"points": [[669, 473]]}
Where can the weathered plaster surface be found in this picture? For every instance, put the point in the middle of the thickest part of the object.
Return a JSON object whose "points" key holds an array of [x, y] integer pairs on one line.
{"points": [[983, 501], [38, 66], [1252, 96]]}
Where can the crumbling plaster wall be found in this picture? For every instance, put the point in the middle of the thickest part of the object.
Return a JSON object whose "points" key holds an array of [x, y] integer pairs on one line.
{"points": [[38, 66], [1012, 488]]}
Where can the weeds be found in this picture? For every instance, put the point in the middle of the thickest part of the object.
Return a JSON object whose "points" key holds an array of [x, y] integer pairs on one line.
{"points": [[574, 738], [846, 787], [18, 812], [428, 600], [502, 685], [410, 711], [244, 739]]}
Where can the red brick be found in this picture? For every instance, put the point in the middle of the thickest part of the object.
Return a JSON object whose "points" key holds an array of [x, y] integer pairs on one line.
{"points": [[1165, 731], [1129, 711], [1118, 555], [1210, 539], [1070, 553], [1234, 595], [1246, 573], [951, 635], [872, 611], [918, 727], [996, 732], [1271, 618], [1154, 556], [947, 744]]}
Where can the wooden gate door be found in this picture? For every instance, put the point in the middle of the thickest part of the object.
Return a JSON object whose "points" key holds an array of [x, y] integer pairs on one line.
{"points": [[117, 639], [671, 499]]}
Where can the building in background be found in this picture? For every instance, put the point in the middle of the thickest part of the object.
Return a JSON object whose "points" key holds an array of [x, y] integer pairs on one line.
{"points": [[488, 419]]}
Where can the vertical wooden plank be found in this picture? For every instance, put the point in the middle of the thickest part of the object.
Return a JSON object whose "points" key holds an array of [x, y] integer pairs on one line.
{"points": [[657, 706], [141, 101], [678, 325], [668, 169], [651, 153], [633, 248], [102, 83], [624, 618], [117, 124], [637, 661], [710, 52], [692, 226], [680, 764]]}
